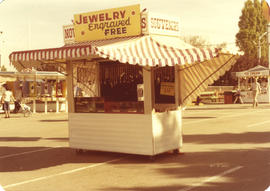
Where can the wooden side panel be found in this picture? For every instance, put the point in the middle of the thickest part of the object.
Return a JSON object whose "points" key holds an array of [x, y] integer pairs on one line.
{"points": [[167, 131], [125, 133]]}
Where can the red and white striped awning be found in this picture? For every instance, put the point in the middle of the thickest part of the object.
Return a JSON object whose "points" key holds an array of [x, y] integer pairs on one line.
{"points": [[198, 67], [155, 51], [141, 50]]}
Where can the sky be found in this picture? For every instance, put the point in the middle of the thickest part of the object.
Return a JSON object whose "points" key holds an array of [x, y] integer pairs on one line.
{"points": [[38, 24]]}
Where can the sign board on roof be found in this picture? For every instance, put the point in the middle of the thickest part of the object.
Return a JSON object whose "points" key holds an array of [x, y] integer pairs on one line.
{"points": [[69, 35], [153, 23], [107, 24]]}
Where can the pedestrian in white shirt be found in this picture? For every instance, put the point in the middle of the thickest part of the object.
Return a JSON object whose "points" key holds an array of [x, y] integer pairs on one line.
{"points": [[256, 89], [7, 97]]}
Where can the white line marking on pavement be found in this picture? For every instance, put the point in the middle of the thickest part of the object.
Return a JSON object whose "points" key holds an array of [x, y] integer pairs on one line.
{"points": [[1, 188], [61, 173], [28, 152], [257, 124], [195, 185]]}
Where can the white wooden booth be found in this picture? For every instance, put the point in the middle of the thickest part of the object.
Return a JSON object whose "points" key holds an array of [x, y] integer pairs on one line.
{"points": [[245, 80], [125, 93], [126, 126], [159, 80], [152, 122]]}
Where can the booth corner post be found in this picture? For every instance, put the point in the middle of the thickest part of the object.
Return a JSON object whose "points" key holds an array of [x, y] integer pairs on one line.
{"points": [[148, 82], [177, 86], [69, 80]]}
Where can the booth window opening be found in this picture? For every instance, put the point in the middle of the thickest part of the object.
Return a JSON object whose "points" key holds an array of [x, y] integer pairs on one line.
{"points": [[112, 88], [164, 85], [119, 81]]}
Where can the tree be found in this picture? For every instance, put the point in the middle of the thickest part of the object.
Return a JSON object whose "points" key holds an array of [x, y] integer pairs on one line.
{"points": [[196, 41], [199, 42], [252, 25]]}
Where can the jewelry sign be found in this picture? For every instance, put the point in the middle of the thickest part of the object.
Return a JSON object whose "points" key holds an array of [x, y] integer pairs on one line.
{"points": [[107, 24]]}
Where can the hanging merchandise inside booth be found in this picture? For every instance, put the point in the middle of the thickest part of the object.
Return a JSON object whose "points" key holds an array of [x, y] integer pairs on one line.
{"points": [[164, 85], [119, 81], [117, 92], [40, 88]]}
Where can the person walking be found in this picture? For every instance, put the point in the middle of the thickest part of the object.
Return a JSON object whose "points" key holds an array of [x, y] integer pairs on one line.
{"points": [[238, 96], [7, 97], [256, 89]]}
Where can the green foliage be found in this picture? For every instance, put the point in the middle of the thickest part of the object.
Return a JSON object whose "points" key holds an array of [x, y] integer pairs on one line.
{"points": [[200, 42], [252, 25], [196, 41]]}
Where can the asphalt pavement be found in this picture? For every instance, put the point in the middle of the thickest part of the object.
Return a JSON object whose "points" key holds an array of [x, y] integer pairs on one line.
{"points": [[226, 147]]}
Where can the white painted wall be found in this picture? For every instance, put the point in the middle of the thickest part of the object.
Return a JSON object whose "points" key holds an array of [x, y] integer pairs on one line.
{"points": [[145, 134], [125, 133]]}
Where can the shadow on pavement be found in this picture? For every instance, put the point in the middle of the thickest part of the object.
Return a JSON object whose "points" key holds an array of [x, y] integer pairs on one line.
{"points": [[54, 120], [198, 166], [33, 158], [228, 138], [201, 166], [199, 117], [6, 139], [227, 107]]}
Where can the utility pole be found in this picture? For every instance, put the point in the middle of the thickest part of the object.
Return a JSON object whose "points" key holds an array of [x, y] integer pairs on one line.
{"points": [[259, 45], [1, 32], [268, 43]]}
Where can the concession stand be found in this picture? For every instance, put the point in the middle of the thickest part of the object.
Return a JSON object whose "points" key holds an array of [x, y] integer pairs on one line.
{"points": [[127, 82], [43, 91], [245, 80]]}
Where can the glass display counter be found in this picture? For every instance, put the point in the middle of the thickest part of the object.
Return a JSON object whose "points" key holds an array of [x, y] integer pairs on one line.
{"points": [[99, 105]]}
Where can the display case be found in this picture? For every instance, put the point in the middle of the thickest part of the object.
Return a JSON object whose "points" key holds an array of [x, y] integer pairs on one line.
{"points": [[124, 107], [99, 105], [89, 105]]}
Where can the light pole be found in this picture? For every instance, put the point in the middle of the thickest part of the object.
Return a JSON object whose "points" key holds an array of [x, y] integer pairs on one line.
{"points": [[1, 32], [259, 46], [268, 43]]}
